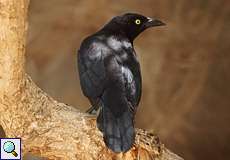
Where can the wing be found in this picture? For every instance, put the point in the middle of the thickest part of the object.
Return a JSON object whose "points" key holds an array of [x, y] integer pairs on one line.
{"points": [[133, 86], [132, 74], [116, 117], [123, 85], [91, 70]]}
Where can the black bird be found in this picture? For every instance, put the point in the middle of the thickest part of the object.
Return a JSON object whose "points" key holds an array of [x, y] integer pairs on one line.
{"points": [[110, 77]]}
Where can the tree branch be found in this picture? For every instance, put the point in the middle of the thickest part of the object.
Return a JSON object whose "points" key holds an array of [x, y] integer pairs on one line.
{"points": [[48, 128]]}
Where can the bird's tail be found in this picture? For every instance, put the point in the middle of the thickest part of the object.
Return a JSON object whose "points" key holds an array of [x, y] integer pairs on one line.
{"points": [[118, 131]]}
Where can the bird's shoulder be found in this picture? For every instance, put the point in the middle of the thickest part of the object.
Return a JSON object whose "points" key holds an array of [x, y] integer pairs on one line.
{"points": [[94, 47], [95, 42]]}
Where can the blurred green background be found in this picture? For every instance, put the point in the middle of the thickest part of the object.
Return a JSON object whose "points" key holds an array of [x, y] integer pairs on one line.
{"points": [[185, 65]]}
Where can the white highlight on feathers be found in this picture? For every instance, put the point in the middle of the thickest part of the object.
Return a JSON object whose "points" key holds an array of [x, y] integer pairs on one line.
{"points": [[128, 74], [113, 43], [116, 44], [127, 44]]}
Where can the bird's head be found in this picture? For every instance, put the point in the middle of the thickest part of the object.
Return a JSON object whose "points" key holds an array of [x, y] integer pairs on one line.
{"points": [[132, 24]]}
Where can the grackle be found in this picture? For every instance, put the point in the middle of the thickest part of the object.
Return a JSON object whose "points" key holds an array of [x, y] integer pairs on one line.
{"points": [[110, 77]]}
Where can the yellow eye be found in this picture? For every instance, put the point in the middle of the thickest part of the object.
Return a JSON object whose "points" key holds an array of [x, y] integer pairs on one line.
{"points": [[138, 21]]}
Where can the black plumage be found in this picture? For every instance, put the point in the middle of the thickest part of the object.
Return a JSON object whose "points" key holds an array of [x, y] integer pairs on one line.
{"points": [[111, 79]]}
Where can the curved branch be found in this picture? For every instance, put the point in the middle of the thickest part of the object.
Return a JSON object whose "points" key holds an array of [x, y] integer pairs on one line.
{"points": [[49, 128]]}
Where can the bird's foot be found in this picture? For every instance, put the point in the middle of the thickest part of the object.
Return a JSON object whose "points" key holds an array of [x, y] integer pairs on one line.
{"points": [[92, 110]]}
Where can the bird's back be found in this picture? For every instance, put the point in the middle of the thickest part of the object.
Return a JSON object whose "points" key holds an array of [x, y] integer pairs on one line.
{"points": [[109, 71], [102, 59]]}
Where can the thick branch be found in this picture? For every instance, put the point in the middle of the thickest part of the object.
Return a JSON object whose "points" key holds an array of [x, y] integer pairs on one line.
{"points": [[48, 128], [13, 24]]}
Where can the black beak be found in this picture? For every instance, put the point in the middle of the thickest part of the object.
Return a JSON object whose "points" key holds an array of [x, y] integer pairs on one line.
{"points": [[153, 23]]}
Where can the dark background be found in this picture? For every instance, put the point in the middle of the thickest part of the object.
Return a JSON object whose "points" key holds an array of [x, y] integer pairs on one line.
{"points": [[185, 65]]}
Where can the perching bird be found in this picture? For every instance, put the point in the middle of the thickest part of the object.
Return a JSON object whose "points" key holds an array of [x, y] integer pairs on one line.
{"points": [[110, 77]]}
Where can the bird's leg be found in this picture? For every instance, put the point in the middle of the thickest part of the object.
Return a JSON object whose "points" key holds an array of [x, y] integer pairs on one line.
{"points": [[93, 110], [95, 106]]}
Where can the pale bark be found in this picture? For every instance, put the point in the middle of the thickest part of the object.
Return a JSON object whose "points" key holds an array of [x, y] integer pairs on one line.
{"points": [[48, 128]]}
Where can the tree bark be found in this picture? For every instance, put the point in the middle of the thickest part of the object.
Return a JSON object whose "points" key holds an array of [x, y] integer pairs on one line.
{"points": [[48, 128]]}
